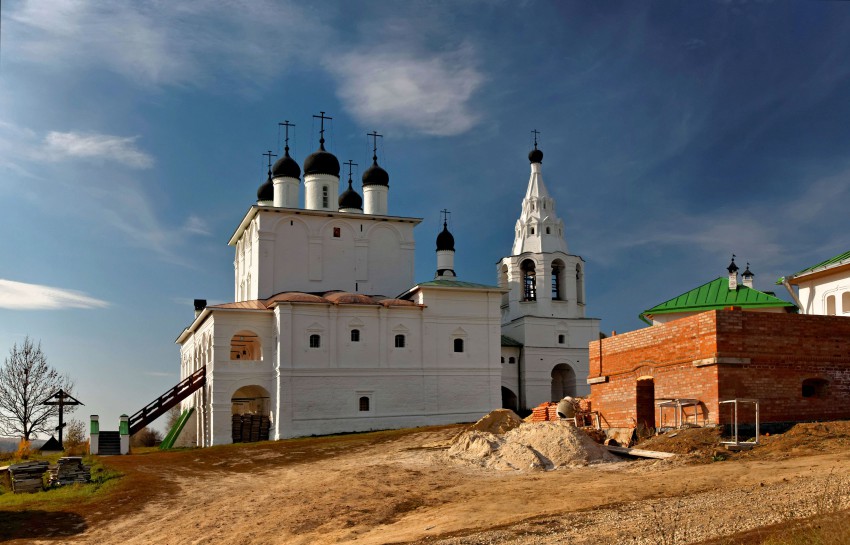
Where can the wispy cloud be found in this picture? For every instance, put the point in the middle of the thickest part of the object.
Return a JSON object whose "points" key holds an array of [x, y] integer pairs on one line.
{"points": [[100, 147], [24, 296], [428, 94], [196, 226]]}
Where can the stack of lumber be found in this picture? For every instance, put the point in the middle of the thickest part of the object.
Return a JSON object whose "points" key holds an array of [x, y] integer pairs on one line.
{"points": [[248, 428], [69, 470], [27, 477]]}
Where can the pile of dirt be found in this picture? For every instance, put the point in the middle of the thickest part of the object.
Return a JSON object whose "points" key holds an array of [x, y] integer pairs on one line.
{"points": [[700, 444], [536, 446], [499, 422], [804, 439]]}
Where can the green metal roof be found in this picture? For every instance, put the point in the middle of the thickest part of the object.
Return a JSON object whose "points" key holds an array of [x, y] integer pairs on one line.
{"points": [[455, 284], [507, 341], [716, 295], [837, 260]]}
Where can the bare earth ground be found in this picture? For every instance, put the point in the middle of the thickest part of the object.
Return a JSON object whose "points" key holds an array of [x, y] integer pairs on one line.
{"points": [[398, 487]]}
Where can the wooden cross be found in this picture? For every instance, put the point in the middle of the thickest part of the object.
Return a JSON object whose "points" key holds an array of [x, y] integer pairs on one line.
{"points": [[445, 212], [62, 399], [375, 136]]}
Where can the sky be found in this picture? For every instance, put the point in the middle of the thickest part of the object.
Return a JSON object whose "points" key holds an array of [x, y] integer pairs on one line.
{"points": [[675, 134]]}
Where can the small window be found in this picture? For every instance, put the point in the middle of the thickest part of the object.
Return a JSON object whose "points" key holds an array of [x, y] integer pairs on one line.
{"points": [[324, 196], [503, 360], [364, 404], [355, 335], [315, 341], [458, 345], [815, 387], [532, 230], [548, 231], [399, 341], [512, 360], [830, 305], [561, 339], [336, 232]]}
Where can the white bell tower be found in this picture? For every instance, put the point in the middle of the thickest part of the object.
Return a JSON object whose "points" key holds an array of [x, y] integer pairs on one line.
{"points": [[544, 309]]}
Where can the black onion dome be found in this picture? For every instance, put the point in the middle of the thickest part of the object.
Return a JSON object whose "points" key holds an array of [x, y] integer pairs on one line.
{"points": [[350, 198], [748, 273], [535, 155], [286, 167], [445, 240], [375, 175], [321, 162], [266, 191]]}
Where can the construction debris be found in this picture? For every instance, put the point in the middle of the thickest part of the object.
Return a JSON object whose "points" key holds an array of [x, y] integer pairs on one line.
{"points": [[27, 476], [69, 470], [640, 453]]}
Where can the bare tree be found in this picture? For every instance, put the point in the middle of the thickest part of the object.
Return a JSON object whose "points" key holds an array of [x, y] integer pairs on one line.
{"points": [[26, 380]]}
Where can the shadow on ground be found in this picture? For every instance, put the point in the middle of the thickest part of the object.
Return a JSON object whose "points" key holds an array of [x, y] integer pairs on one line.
{"points": [[40, 524]]}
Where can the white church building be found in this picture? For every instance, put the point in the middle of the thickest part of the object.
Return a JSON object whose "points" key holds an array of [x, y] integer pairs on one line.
{"points": [[328, 331]]}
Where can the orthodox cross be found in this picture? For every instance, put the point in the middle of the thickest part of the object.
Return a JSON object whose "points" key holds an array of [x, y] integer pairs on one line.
{"points": [[286, 124], [350, 164], [445, 213], [62, 399], [269, 154], [375, 135], [535, 132], [322, 117]]}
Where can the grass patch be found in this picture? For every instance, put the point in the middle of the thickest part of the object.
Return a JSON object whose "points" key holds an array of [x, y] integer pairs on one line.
{"points": [[103, 479], [825, 530]]}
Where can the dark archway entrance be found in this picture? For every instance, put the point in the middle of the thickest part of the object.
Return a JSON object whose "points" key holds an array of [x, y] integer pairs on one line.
{"points": [[563, 382], [509, 400], [645, 402], [250, 414]]}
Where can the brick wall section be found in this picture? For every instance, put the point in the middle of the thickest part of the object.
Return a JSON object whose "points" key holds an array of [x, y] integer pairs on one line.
{"points": [[765, 356]]}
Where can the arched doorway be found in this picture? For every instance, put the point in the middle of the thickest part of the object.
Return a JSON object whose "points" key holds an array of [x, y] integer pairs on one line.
{"points": [[645, 402], [509, 400], [563, 382], [250, 414], [245, 345]]}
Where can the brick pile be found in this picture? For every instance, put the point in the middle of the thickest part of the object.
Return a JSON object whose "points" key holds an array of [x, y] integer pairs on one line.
{"points": [[544, 412]]}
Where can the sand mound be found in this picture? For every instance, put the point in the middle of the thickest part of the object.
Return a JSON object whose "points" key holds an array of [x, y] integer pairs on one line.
{"points": [[540, 446], [499, 422]]}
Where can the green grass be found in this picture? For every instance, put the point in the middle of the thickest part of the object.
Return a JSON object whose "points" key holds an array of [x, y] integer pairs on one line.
{"points": [[103, 479]]}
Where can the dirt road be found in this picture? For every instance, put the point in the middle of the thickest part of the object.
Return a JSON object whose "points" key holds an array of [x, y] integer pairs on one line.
{"points": [[393, 488]]}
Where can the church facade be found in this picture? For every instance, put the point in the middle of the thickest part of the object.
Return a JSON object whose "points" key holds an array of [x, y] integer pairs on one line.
{"points": [[329, 333]]}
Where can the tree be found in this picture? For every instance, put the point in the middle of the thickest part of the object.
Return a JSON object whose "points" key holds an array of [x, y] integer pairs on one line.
{"points": [[146, 437], [76, 434], [26, 380]]}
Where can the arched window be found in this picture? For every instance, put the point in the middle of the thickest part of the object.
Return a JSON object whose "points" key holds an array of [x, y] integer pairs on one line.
{"points": [[355, 335], [364, 404], [830, 305], [399, 341], [557, 280], [815, 387], [512, 360], [315, 341], [245, 345], [529, 281], [579, 284], [532, 230], [845, 302], [324, 196], [458, 345]]}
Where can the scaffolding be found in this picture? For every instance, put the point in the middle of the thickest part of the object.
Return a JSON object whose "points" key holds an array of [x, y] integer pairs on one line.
{"points": [[680, 416], [736, 443]]}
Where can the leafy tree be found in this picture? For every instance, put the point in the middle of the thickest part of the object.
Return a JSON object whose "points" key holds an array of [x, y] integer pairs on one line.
{"points": [[26, 380], [76, 433]]}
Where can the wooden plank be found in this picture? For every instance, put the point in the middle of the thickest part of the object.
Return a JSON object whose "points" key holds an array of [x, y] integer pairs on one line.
{"points": [[640, 453]]}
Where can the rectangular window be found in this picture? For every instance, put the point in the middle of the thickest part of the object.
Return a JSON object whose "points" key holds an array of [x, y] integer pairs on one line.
{"points": [[324, 196], [399, 341], [315, 341], [336, 232], [355, 335]]}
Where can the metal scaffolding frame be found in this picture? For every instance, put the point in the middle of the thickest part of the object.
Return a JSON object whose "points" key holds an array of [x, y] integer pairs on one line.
{"points": [[736, 443]]}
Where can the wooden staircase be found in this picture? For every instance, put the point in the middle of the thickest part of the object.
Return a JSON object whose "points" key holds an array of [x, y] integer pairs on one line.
{"points": [[109, 443], [166, 401]]}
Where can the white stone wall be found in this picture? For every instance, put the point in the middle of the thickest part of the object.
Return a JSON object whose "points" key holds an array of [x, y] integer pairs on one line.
{"points": [[299, 250], [814, 294]]}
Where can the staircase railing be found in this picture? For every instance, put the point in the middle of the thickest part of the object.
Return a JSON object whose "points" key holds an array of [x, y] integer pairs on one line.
{"points": [[169, 399]]}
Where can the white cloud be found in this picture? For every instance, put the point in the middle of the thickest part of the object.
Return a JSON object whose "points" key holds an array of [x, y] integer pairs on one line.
{"points": [[23, 296], [196, 226], [430, 94], [101, 147]]}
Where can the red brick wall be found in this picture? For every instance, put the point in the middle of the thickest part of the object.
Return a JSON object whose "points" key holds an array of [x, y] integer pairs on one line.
{"points": [[762, 355]]}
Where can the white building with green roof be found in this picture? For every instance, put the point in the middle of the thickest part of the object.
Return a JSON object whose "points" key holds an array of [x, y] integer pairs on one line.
{"points": [[823, 288], [718, 294]]}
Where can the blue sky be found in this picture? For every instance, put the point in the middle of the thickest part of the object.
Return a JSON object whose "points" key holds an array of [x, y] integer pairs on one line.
{"points": [[675, 134]]}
